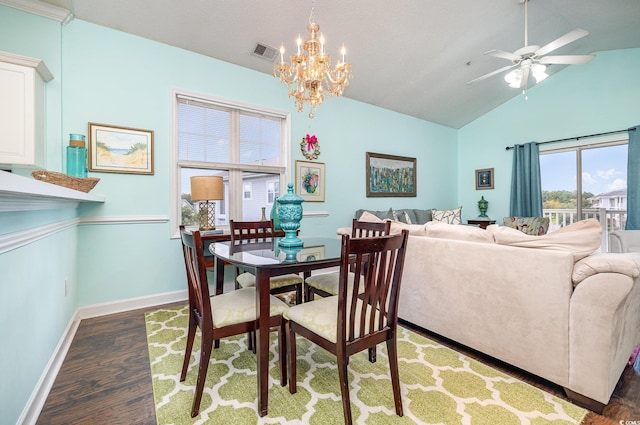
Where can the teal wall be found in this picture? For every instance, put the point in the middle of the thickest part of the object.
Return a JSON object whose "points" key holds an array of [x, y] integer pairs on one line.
{"points": [[601, 96], [105, 76]]}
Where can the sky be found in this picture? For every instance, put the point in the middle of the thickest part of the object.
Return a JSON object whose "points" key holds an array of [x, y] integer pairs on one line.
{"points": [[604, 169]]}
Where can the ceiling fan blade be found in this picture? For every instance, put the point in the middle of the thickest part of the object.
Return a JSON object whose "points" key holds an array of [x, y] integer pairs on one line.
{"points": [[569, 37], [491, 74], [502, 54], [566, 60], [525, 77]]}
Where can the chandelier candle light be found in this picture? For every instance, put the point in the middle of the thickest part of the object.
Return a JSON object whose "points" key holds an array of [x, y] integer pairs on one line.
{"points": [[309, 73]]}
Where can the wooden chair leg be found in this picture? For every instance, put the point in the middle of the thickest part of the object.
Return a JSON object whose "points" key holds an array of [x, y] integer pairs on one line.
{"points": [[205, 355], [392, 350], [282, 351], [344, 388], [191, 335], [372, 354], [299, 294], [291, 344]]}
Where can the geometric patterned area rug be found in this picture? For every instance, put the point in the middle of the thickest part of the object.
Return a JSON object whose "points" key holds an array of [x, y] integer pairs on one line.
{"points": [[439, 385]]}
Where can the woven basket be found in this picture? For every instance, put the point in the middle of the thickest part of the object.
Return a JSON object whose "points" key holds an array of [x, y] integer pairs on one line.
{"points": [[60, 179]]}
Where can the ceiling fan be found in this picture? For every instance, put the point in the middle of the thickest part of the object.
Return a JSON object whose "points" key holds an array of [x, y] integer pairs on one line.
{"points": [[531, 59]]}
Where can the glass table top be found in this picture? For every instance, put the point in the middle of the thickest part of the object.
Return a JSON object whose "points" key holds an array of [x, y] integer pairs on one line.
{"points": [[268, 252]]}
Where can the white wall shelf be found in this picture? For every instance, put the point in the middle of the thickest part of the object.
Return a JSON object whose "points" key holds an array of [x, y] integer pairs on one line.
{"points": [[19, 193]]}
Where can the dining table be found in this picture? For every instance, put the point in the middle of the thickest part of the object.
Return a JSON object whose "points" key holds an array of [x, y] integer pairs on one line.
{"points": [[264, 259]]}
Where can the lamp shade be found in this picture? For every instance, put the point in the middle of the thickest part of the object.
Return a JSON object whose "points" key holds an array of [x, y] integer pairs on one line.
{"points": [[207, 188]]}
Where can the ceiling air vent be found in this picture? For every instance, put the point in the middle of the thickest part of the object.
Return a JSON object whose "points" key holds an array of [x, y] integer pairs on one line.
{"points": [[265, 52]]}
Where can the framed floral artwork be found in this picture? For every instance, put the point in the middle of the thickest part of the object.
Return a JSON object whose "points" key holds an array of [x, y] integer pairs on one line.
{"points": [[310, 180]]}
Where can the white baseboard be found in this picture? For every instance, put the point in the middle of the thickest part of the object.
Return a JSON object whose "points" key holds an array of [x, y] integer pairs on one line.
{"points": [[40, 393]]}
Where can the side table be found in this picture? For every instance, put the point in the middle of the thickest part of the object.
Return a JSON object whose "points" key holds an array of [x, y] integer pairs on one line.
{"points": [[482, 223]]}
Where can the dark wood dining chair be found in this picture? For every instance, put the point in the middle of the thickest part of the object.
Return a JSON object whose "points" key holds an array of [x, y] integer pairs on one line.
{"points": [[259, 231], [362, 315], [326, 284], [220, 316]]}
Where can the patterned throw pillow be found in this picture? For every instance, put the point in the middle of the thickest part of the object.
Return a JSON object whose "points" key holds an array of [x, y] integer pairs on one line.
{"points": [[447, 216], [536, 226]]}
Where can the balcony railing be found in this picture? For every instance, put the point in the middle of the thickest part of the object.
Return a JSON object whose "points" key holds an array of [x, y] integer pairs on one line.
{"points": [[610, 220]]}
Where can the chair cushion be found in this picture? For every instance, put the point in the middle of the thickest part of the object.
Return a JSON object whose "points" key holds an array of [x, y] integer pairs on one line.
{"points": [[248, 280], [327, 282], [240, 306], [528, 225], [321, 317]]}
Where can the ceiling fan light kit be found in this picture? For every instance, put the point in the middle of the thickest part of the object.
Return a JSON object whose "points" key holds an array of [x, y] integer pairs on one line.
{"points": [[531, 60]]}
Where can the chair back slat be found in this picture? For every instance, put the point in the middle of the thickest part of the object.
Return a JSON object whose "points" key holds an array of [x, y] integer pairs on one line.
{"points": [[369, 306], [251, 230], [198, 285], [368, 229]]}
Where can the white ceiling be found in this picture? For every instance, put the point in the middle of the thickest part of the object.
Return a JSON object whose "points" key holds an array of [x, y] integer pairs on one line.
{"points": [[410, 56]]}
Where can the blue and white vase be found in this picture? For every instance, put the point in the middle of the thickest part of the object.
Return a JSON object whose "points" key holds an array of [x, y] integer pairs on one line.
{"points": [[290, 214]]}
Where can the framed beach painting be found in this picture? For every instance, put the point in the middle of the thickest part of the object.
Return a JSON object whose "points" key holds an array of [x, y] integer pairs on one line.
{"points": [[390, 175], [120, 149], [310, 180]]}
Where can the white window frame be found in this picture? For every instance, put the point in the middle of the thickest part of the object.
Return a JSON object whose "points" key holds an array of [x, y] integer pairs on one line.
{"points": [[247, 187], [235, 170]]}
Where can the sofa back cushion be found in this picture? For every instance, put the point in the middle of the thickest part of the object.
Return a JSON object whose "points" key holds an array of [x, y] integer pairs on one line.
{"points": [[580, 238], [528, 225], [436, 229]]}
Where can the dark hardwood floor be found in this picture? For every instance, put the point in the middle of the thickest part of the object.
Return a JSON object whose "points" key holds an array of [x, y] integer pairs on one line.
{"points": [[105, 378]]}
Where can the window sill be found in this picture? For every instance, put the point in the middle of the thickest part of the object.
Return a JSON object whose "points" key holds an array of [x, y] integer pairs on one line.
{"points": [[19, 193]]}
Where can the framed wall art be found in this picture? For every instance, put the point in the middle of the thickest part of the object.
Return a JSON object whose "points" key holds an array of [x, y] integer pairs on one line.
{"points": [[310, 180], [484, 179], [390, 175], [120, 149]]}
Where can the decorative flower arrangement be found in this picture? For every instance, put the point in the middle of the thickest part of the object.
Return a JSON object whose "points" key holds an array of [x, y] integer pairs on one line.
{"points": [[310, 147]]}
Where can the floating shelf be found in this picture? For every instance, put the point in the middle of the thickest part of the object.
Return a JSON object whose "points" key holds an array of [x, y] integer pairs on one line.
{"points": [[19, 193]]}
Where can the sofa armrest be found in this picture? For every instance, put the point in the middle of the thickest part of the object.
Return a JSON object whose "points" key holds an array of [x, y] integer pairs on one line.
{"points": [[627, 264], [604, 313]]}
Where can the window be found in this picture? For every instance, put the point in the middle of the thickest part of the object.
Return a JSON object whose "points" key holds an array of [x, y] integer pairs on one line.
{"points": [[586, 181], [246, 191], [273, 191], [248, 146]]}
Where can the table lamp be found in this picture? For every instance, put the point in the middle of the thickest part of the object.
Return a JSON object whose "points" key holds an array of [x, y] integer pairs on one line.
{"points": [[206, 189]]}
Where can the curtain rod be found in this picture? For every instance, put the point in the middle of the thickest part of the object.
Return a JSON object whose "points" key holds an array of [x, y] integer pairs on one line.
{"points": [[580, 137]]}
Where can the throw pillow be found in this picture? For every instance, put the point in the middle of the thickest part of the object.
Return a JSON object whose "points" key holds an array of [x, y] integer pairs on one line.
{"points": [[580, 238], [447, 216], [368, 216], [436, 229], [528, 225], [606, 263], [422, 216]]}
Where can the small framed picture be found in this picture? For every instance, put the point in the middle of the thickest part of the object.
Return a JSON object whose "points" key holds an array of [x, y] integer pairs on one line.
{"points": [[120, 149], [484, 179], [310, 180]]}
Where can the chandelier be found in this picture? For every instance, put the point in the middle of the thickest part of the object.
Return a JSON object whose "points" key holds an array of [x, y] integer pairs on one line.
{"points": [[309, 74]]}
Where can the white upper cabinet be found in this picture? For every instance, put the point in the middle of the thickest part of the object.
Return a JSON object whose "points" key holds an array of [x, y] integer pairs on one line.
{"points": [[22, 117]]}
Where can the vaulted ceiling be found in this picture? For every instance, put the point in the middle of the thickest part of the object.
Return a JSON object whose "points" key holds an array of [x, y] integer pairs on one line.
{"points": [[410, 56]]}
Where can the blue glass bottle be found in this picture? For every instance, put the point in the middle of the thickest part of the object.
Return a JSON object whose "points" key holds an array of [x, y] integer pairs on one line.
{"points": [[76, 156]]}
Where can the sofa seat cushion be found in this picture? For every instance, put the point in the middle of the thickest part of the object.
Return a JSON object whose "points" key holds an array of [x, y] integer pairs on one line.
{"points": [[606, 263], [436, 229], [580, 238]]}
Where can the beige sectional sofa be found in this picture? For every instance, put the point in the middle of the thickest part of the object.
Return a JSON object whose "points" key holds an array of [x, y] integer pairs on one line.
{"points": [[548, 304]]}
